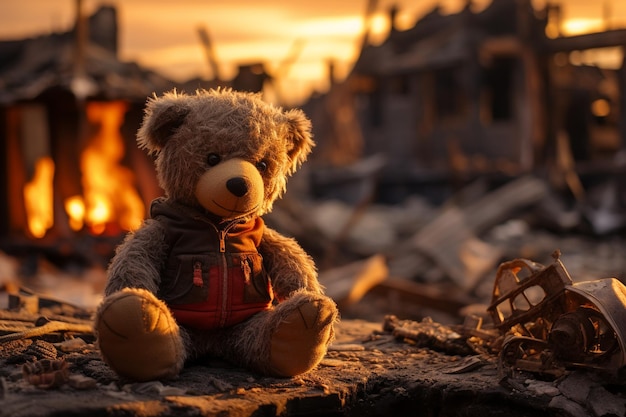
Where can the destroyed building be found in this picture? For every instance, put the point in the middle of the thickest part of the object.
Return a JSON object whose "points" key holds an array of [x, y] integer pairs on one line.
{"points": [[60, 95], [478, 93], [65, 96]]}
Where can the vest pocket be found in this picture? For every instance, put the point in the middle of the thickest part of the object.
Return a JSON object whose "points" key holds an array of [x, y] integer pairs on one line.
{"points": [[257, 287], [188, 280]]}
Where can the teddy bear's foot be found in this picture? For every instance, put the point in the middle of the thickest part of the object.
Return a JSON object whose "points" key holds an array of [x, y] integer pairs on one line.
{"points": [[138, 336], [299, 342]]}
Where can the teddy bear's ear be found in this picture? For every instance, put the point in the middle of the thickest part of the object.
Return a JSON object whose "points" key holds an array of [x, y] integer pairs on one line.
{"points": [[301, 138], [162, 117]]}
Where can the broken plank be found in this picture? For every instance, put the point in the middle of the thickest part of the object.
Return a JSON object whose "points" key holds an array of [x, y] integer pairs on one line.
{"points": [[500, 203], [434, 296], [455, 249], [451, 238], [349, 283]]}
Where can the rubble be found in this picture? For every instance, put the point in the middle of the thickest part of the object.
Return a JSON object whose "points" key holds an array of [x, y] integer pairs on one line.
{"points": [[368, 371], [451, 238], [46, 373], [427, 333], [372, 368]]}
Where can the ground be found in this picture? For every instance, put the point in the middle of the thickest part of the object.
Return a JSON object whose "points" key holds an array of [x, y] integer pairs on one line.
{"points": [[367, 372]]}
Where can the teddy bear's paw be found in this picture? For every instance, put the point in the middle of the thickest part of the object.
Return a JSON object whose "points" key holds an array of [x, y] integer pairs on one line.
{"points": [[300, 341], [138, 336]]}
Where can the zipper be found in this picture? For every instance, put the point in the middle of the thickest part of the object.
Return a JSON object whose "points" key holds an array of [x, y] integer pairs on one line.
{"points": [[222, 246], [224, 288], [222, 238]]}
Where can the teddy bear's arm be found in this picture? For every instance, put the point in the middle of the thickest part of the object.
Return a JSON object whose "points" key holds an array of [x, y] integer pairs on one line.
{"points": [[138, 260], [289, 266]]}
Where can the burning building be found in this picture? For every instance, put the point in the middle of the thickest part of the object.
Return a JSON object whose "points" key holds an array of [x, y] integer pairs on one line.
{"points": [[69, 110]]}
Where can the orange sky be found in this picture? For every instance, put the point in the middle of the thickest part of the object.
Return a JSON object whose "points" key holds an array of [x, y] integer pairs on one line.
{"points": [[162, 34]]}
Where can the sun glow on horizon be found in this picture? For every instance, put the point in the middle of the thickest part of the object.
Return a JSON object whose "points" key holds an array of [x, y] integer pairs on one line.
{"points": [[165, 38]]}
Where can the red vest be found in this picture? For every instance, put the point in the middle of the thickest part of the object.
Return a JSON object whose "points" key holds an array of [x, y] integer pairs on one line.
{"points": [[214, 275]]}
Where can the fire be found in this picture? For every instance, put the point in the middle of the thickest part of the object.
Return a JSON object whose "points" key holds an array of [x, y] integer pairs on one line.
{"points": [[109, 192], [38, 198], [110, 202], [75, 209]]}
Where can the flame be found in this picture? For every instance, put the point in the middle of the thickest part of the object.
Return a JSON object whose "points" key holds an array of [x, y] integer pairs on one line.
{"points": [[38, 198], [109, 193], [75, 209], [109, 201]]}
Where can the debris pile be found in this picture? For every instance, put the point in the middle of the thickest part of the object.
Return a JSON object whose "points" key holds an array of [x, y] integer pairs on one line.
{"points": [[554, 351], [418, 259]]}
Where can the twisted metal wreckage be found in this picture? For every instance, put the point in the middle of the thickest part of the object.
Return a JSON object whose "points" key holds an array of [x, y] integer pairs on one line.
{"points": [[549, 324], [542, 323]]}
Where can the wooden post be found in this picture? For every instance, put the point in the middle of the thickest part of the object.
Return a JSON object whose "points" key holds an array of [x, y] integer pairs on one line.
{"points": [[137, 159], [64, 120], [622, 102], [16, 175], [4, 174], [80, 45]]}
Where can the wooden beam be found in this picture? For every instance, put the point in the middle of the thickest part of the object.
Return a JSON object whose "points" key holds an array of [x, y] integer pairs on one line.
{"points": [[16, 175], [349, 283], [606, 39], [451, 241], [4, 173], [439, 297], [622, 103]]}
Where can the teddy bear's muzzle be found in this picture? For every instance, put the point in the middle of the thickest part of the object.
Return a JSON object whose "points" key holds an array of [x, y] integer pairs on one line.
{"points": [[231, 189]]}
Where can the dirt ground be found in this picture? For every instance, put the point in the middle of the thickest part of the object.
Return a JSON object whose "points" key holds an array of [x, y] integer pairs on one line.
{"points": [[367, 372]]}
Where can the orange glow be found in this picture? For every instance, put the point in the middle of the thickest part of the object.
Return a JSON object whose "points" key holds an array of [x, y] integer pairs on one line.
{"points": [[579, 26], [110, 197], [379, 28], [601, 108], [262, 31], [75, 209], [38, 198], [109, 192]]}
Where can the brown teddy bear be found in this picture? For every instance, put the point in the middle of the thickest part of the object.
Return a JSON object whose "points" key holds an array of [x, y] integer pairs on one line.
{"points": [[204, 276]]}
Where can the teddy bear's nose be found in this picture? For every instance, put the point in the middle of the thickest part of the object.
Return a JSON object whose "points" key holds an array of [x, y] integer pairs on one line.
{"points": [[238, 186]]}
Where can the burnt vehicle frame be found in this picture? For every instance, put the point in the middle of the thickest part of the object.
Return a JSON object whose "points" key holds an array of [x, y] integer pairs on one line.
{"points": [[549, 324]]}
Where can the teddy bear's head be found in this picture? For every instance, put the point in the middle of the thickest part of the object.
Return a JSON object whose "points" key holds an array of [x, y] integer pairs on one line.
{"points": [[226, 151]]}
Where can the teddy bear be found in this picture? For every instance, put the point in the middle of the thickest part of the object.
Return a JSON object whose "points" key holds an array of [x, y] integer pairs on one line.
{"points": [[203, 276]]}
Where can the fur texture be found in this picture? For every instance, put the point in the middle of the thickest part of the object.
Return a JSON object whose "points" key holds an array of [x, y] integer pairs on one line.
{"points": [[185, 133], [183, 129]]}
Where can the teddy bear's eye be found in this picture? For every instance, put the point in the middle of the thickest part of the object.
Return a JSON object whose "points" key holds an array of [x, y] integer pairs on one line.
{"points": [[213, 159], [261, 166]]}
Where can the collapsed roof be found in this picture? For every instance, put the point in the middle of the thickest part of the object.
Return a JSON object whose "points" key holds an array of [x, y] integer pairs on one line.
{"points": [[82, 60]]}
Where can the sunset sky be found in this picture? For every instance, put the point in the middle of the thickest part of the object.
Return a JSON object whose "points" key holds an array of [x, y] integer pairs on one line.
{"points": [[163, 35]]}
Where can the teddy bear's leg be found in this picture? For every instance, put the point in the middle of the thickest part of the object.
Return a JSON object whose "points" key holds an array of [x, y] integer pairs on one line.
{"points": [[288, 340], [303, 334], [138, 336]]}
